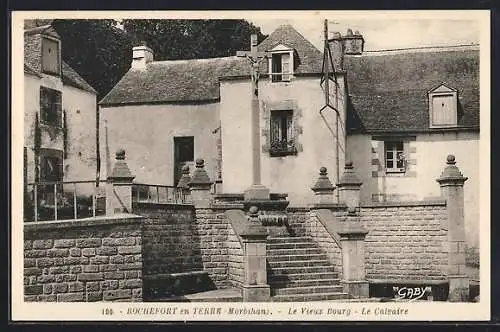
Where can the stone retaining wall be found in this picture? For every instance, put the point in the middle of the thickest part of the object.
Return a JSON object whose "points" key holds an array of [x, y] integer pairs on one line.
{"points": [[86, 260], [406, 241]]}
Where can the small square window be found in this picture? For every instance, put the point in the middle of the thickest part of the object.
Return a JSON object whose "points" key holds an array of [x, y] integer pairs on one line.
{"points": [[395, 161], [282, 138]]}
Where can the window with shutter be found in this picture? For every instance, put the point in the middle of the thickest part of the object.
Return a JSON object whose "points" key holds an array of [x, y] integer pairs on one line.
{"points": [[51, 56], [51, 165], [443, 107]]}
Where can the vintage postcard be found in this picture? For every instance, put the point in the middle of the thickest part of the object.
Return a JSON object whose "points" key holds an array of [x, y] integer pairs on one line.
{"points": [[262, 166]]}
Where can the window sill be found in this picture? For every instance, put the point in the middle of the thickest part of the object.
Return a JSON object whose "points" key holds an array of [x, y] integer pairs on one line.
{"points": [[283, 152], [51, 125]]}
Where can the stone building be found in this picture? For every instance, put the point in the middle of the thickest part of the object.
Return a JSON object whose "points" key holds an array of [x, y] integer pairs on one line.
{"points": [[60, 111], [396, 114]]}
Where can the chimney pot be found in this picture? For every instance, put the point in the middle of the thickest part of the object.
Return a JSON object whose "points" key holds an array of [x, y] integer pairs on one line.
{"points": [[349, 32]]}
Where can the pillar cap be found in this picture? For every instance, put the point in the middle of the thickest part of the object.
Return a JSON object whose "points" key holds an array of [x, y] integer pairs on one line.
{"points": [[350, 178], [120, 171], [185, 178], [451, 174], [200, 176], [323, 184]]}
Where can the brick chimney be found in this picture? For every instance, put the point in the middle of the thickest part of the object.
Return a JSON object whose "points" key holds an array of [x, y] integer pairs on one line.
{"points": [[349, 44], [141, 56]]}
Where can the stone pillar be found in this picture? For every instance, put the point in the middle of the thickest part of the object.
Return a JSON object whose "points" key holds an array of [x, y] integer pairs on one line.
{"points": [[350, 187], [119, 187], [452, 189], [255, 287], [199, 186], [323, 188], [183, 183], [352, 238]]}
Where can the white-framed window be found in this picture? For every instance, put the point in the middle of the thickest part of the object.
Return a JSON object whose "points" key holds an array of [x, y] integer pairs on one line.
{"points": [[443, 107], [281, 64], [394, 159]]}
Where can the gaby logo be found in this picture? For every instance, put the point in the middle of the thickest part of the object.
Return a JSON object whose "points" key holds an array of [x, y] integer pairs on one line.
{"points": [[412, 293]]}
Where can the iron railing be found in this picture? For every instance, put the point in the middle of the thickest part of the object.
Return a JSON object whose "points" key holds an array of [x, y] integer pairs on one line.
{"points": [[58, 200], [156, 193]]}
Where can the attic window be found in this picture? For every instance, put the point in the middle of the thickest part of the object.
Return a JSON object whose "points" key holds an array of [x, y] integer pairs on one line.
{"points": [[281, 64], [51, 56], [443, 102]]}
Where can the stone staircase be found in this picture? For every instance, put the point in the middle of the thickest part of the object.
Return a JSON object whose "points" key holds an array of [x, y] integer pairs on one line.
{"points": [[298, 270]]}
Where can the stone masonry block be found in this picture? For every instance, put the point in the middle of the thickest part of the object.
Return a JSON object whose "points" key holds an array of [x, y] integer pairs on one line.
{"points": [[75, 252], [93, 286], [64, 243], [109, 284], [114, 275], [60, 288], [90, 268], [117, 294], [94, 296], [35, 253], [47, 298], [44, 262], [33, 290], [47, 289], [99, 260], [32, 271], [59, 269], [74, 287], [58, 253], [107, 267], [70, 297], [43, 244], [88, 243], [88, 252], [106, 251]]}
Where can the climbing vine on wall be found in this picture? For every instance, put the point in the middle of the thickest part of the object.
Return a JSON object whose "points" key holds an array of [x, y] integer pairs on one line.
{"points": [[36, 147], [65, 135]]}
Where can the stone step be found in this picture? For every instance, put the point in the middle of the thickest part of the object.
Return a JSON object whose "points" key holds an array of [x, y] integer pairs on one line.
{"points": [[301, 263], [288, 239], [299, 251], [284, 283], [301, 276], [218, 295], [309, 297], [307, 257], [290, 246], [288, 270], [308, 290]]}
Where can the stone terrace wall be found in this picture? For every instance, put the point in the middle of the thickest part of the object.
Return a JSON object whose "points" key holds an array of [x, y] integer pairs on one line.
{"points": [[94, 259], [213, 230], [406, 241], [171, 239], [236, 268]]}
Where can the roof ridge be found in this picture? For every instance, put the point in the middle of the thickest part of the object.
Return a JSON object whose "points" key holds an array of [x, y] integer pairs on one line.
{"points": [[424, 49], [192, 60]]}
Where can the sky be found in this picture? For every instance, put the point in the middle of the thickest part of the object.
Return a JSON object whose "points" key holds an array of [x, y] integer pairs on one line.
{"points": [[382, 34]]}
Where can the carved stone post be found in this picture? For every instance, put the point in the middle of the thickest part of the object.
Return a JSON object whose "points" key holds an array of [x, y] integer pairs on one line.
{"points": [[119, 187], [352, 238], [350, 187], [183, 183], [452, 189], [323, 188], [255, 287], [199, 186]]}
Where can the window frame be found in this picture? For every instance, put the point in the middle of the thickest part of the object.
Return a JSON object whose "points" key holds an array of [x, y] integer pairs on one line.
{"points": [[286, 144], [283, 76], [59, 57], [395, 151], [57, 122]]}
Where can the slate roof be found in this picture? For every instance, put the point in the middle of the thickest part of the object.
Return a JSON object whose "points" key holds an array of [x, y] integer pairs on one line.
{"points": [[185, 81], [32, 61], [388, 93]]}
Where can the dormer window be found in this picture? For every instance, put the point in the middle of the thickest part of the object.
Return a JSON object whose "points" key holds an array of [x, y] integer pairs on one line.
{"points": [[281, 63], [51, 56], [443, 107]]}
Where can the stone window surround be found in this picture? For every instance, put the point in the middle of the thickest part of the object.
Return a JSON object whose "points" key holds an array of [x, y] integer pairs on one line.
{"points": [[378, 156], [266, 108]]}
